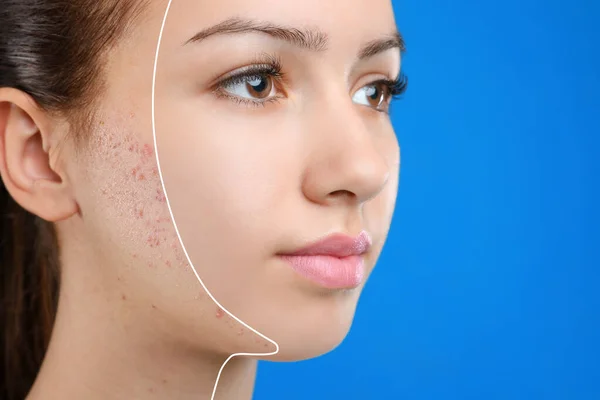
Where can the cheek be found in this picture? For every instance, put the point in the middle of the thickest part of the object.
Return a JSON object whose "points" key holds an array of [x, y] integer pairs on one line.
{"points": [[223, 179], [127, 200]]}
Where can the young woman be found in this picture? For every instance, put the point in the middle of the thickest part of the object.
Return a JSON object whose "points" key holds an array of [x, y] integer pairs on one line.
{"points": [[255, 166]]}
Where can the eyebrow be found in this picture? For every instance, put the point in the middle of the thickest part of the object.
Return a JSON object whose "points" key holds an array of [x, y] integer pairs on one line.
{"points": [[393, 41], [309, 39]]}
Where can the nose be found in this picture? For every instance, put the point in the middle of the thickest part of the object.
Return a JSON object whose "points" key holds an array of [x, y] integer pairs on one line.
{"points": [[346, 162]]}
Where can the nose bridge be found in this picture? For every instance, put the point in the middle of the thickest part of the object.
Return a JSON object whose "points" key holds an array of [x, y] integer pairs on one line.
{"points": [[346, 158]]}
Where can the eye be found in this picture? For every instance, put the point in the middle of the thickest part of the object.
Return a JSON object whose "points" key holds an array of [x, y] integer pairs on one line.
{"points": [[254, 87], [375, 95]]}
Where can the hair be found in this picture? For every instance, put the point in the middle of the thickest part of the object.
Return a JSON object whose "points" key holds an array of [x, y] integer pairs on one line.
{"points": [[54, 51]]}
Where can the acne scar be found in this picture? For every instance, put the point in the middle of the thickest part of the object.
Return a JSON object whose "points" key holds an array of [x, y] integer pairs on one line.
{"points": [[123, 297], [160, 196]]}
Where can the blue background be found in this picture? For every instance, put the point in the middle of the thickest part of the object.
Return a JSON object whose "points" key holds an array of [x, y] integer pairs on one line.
{"points": [[488, 287]]}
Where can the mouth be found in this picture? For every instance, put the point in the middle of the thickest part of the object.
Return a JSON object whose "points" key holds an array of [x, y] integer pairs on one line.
{"points": [[335, 262]]}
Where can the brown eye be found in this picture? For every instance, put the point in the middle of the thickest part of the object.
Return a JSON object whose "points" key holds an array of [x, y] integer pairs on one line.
{"points": [[375, 95], [251, 87], [259, 86]]}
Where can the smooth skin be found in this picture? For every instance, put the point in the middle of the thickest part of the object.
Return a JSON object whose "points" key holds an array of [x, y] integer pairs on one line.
{"points": [[245, 182]]}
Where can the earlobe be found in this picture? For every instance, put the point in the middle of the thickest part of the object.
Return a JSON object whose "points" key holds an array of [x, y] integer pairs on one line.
{"points": [[25, 165]]}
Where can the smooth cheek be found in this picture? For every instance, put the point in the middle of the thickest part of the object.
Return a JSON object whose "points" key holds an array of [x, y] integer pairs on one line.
{"points": [[379, 211], [226, 181]]}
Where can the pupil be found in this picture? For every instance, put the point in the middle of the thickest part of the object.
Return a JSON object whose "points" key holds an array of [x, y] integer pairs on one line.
{"points": [[258, 83], [373, 93]]}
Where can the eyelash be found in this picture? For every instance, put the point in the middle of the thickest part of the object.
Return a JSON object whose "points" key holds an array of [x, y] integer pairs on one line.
{"points": [[397, 87], [273, 69]]}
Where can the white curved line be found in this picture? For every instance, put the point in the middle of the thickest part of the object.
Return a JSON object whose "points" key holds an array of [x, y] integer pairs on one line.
{"points": [[177, 230]]}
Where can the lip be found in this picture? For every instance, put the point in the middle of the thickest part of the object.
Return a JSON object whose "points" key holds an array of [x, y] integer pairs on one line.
{"points": [[334, 262]]}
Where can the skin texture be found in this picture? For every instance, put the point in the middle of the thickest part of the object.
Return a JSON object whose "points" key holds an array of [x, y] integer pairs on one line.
{"points": [[244, 183]]}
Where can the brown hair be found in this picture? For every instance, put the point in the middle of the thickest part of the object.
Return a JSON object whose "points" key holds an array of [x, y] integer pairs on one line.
{"points": [[54, 51]]}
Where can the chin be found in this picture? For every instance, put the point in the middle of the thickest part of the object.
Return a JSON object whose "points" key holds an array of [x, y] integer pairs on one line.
{"points": [[310, 339]]}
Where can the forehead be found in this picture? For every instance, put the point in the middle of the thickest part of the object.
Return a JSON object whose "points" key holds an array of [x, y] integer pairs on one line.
{"points": [[344, 21]]}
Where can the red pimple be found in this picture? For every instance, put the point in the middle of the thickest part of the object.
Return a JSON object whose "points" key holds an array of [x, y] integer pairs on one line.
{"points": [[220, 312], [142, 177], [160, 197], [147, 150], [153, 240], [168, 263], [154, 171], [140, 213]]}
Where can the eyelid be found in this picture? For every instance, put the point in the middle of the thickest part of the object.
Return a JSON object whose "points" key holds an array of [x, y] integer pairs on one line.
{"points": [[242, 74], [396, 87], [370, 79], [237, 75], [260, 60]]}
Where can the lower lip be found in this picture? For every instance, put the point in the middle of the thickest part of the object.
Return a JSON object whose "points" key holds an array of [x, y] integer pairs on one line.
{"points": [[328, 271]]}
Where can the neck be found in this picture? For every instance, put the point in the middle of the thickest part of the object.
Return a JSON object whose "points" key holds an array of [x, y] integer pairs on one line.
{"points": [[102, 349]]}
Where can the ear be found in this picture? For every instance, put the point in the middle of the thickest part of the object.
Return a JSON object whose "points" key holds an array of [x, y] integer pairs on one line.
{"points": [[28, 162]]}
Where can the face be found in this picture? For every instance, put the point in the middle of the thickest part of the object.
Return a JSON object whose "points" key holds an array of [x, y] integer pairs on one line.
{"points": [[272, 133]]}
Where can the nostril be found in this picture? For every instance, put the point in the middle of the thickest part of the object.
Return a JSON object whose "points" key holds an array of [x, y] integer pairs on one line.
{"points": [[342, 194]]}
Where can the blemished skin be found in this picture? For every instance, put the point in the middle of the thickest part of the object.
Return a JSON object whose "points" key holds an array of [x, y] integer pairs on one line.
{"points": [[246, 180]]}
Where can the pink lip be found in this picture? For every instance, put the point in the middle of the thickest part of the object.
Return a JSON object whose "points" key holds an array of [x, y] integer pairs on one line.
{"points": [[334, 262]]}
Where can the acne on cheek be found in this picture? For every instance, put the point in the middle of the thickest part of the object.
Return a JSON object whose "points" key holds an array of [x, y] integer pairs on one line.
{"points": [[153, 214]]}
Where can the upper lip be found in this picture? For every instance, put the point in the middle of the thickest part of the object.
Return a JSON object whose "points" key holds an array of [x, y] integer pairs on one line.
{"points": [[336, 245]]}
